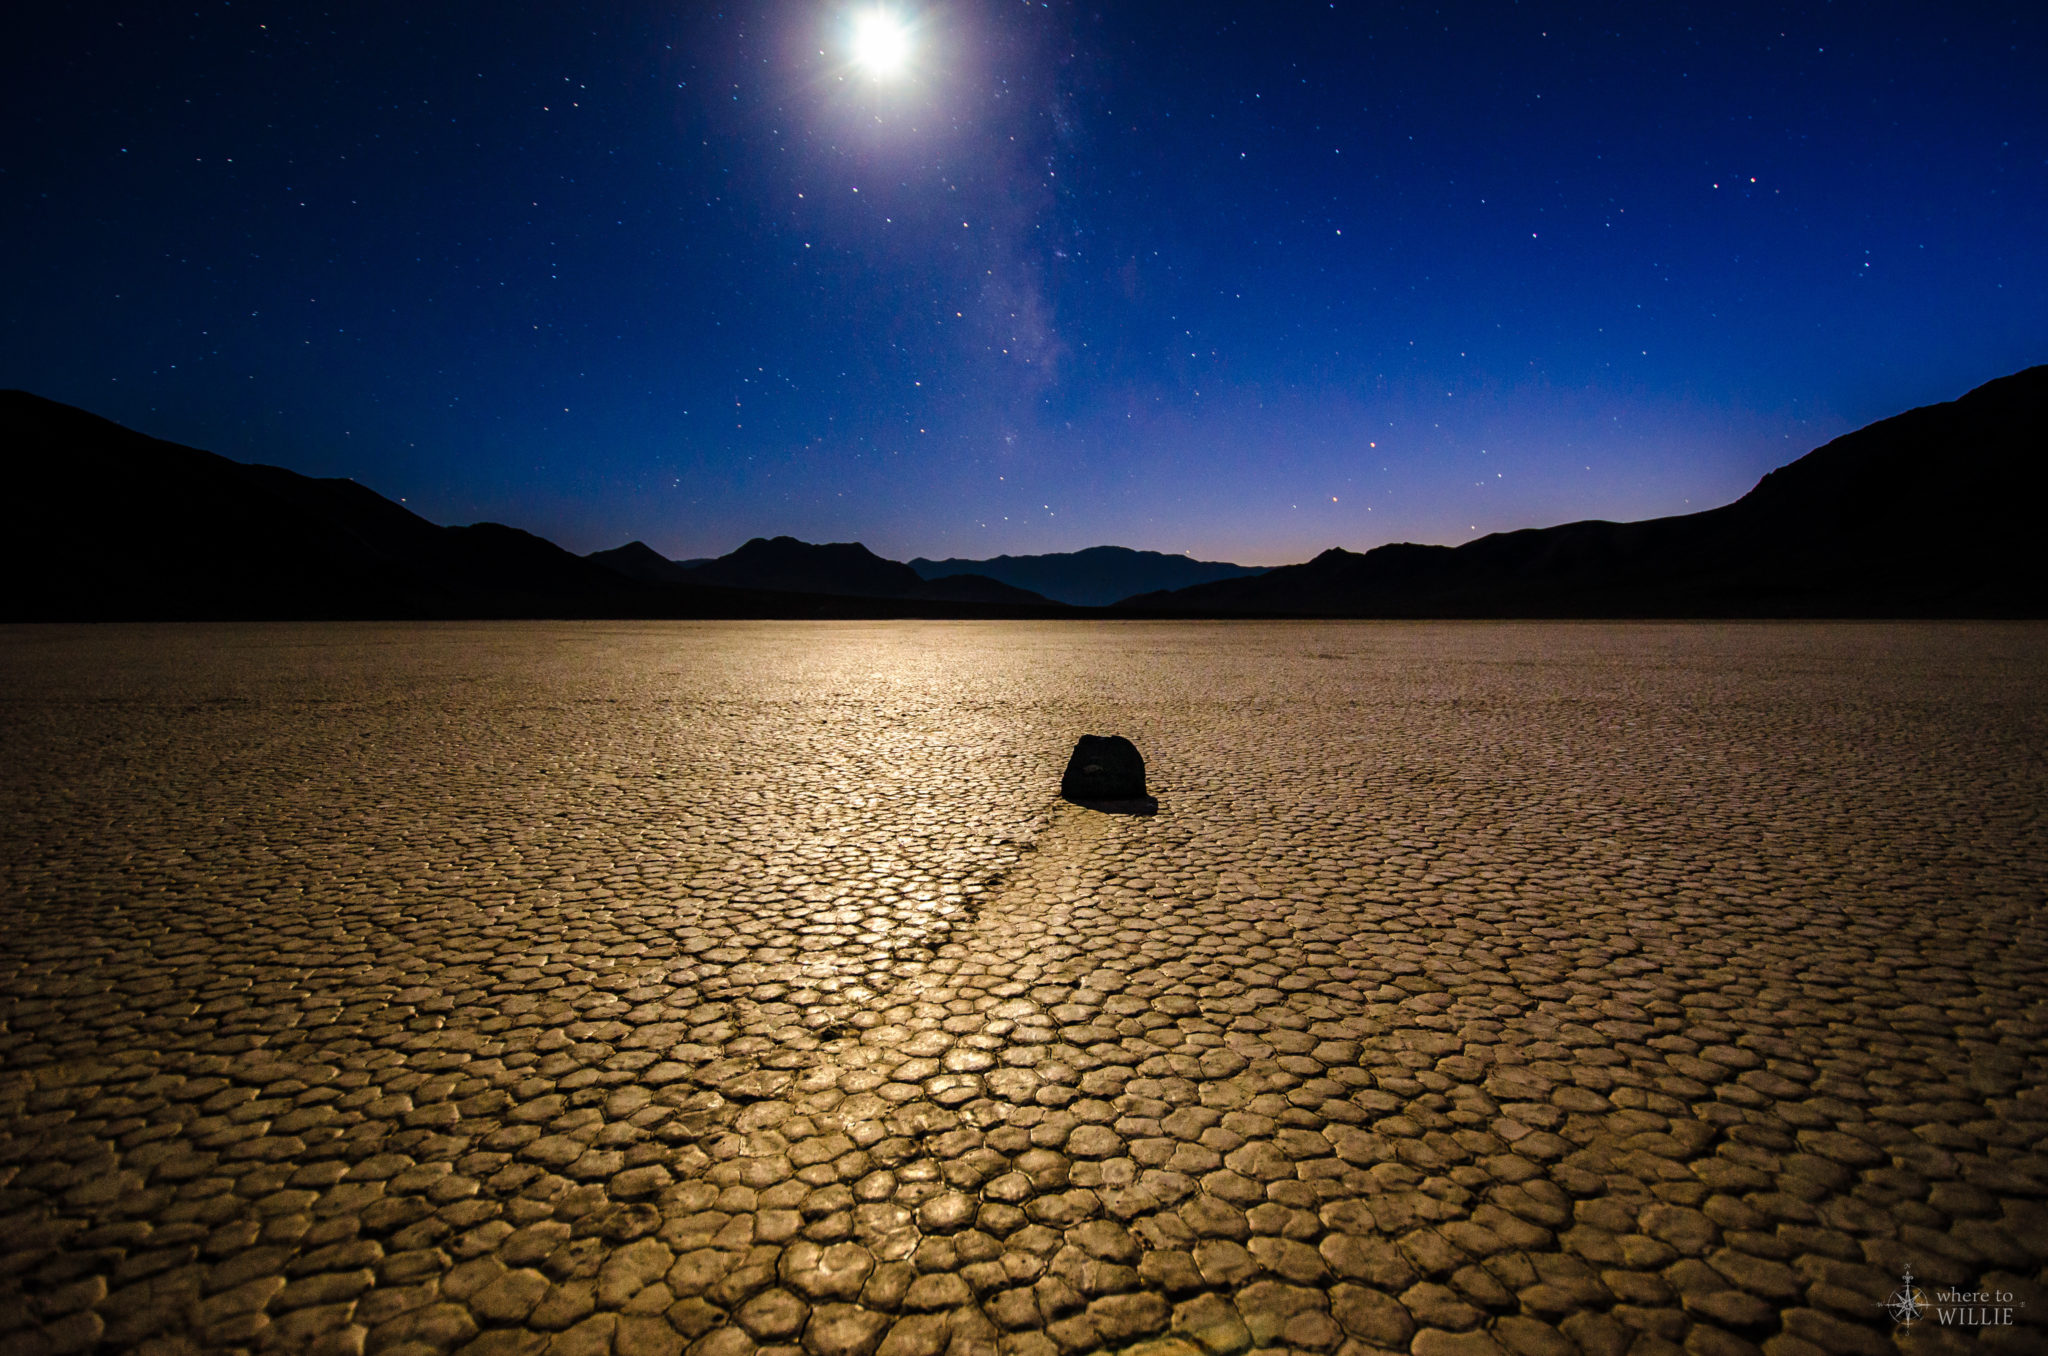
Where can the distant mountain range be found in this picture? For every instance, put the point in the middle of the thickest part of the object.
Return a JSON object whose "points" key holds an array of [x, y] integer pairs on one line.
{"points": [[1935, 512], [1931, 513], [1096, 577], [1092, 578], [108, 524], [841, 569]]}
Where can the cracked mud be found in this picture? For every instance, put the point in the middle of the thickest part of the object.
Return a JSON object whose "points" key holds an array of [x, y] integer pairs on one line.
{"points": [[723, 989]]}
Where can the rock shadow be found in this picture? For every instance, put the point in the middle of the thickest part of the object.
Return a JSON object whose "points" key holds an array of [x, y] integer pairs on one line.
{"points": [[1132, 805]]}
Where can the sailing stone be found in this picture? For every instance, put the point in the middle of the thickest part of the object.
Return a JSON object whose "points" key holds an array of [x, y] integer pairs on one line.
{"points": [[1104, 767]]}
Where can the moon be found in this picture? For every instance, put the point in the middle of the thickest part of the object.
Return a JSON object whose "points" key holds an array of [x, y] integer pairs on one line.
{"points": [[881, 44]]}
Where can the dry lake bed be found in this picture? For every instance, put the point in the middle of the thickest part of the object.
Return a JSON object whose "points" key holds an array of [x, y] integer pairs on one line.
{"points": [[744, 987]]}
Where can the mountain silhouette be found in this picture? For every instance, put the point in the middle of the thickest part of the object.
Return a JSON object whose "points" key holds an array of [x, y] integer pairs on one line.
{"points": [[1929, 513], [848, 568], [109, 524], [1096, 577], [1934, 512], [638, 560]]}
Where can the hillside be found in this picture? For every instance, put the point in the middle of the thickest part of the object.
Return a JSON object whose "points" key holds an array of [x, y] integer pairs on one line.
{"points": [[1096, 577], [1929, 513], [107, 524], [848, 568]]}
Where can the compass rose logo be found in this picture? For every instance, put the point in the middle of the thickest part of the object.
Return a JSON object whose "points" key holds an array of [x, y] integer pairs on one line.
{"points": [[1907, 1302]]}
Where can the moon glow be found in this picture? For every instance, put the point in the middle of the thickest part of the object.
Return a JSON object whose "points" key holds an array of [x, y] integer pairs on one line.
{"points": [[881, 44]]}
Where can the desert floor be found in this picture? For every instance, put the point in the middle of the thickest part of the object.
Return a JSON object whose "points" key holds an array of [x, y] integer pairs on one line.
{"points": [[722, 988]]}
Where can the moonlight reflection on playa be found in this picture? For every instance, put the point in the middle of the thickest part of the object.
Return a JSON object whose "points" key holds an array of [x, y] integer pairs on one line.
{"points": [[724, 987]]}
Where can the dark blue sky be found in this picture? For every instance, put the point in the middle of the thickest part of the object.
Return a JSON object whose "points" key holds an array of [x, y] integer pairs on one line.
{"points": [[1246, 280]]}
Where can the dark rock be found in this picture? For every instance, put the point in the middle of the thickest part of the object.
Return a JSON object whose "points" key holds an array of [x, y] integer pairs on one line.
{"points": [[1104, 768]]}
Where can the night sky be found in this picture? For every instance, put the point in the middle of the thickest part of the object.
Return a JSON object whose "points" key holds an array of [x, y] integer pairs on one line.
{"points": [[1246, 280]]}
